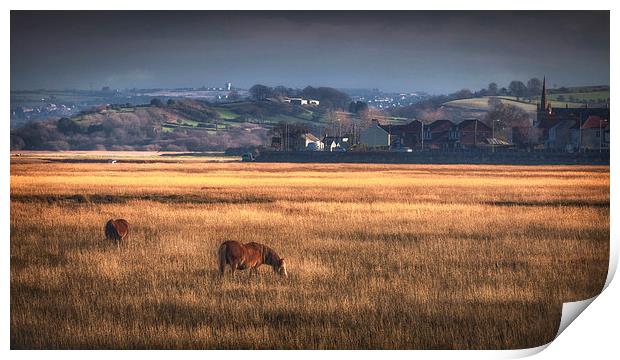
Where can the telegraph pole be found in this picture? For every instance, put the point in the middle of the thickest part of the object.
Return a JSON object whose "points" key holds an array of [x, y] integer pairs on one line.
{"points": [[476, 133], [339, 128], [422, 135], [493, 136], [580, 125], [600, 136]]}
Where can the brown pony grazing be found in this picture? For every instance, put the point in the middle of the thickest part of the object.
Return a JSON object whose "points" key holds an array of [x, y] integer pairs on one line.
{"points": [[251, 255], [116, 230]]}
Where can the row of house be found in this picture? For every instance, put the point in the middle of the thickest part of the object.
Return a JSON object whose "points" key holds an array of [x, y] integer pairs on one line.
{"points": [[568, 134], [440, 134], [565, 134]]}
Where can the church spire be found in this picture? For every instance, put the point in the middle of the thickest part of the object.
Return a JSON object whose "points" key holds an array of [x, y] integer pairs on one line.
{"points": [[543, 97], [544, 108]]}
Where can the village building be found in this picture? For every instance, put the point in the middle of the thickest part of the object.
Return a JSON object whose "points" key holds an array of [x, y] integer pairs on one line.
{"points": [[439, 134], [375, 137], [406, 135], [559, 135], [495, 143], [595, 134], [312, 142], [298, 101], [336, 143], [301, 101], [470, 133]]}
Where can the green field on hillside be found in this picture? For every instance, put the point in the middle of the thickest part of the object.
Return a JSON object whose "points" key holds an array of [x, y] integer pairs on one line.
{"points": [[482, 103], [232, 111], [187, 122], [534, 102], [579, 89], [225, 113], [582, 97], [285, 118]]}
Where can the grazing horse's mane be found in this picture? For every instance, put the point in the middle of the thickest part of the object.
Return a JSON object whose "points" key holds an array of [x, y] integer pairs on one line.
{"points": [[270, 257]]}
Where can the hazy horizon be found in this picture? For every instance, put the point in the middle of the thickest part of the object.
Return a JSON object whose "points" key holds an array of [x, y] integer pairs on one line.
{"points": [[431, 51]]}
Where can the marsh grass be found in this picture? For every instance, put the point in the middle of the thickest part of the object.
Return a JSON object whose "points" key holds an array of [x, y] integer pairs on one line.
{"points": [[379, 256]]}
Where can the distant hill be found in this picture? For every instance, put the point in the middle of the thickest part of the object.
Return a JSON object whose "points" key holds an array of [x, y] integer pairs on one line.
{"points": [[574, 97], [482, 103], [176, 125]]}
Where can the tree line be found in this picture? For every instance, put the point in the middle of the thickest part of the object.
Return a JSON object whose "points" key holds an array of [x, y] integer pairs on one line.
{"points": [[329, 98]]}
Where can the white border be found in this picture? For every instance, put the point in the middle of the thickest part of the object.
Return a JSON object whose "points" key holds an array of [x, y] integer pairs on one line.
{"points": [[592, 335]]}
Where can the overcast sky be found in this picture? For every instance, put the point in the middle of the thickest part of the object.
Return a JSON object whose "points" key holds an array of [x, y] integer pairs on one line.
{"points": [[437, 52]]}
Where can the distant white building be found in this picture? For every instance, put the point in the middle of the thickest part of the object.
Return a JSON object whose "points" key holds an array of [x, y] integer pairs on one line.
{"points": [[312, 142], [336, 143], [375, 136], [296, 101], [228, 86], [301, 101]]}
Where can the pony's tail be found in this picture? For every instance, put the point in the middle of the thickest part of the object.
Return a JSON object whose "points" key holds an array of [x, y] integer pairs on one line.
{"points": [[109, 230], [221, 255]]}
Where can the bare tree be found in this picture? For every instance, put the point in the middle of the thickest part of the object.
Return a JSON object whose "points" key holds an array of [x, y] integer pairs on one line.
{"points": [[506, 116]]}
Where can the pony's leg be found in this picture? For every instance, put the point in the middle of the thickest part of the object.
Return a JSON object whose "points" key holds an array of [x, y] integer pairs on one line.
{"points": [[222, 268], [233, 267]]}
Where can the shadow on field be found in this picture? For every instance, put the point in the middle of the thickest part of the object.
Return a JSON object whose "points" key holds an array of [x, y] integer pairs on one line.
{"points": [[44, 258], [577, 203], [121, 199], [35, 291]]}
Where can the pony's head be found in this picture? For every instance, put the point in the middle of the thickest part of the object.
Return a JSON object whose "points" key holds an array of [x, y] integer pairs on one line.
{"points": [[281, 268]]}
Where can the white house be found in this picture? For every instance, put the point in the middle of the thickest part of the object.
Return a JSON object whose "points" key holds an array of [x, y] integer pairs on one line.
{"points": [[312, 142], [301, 101], [336, 143], [296, 101]]}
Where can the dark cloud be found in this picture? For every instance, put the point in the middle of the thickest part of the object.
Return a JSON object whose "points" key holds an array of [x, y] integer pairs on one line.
{"points": [[436, 51]]}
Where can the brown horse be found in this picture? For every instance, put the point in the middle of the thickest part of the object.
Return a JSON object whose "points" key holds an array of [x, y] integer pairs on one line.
{"points": [[116, 230], [251, 255]]}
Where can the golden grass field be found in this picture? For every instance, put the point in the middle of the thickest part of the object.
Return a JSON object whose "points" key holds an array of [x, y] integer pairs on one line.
{"points": [[379, 256]]}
